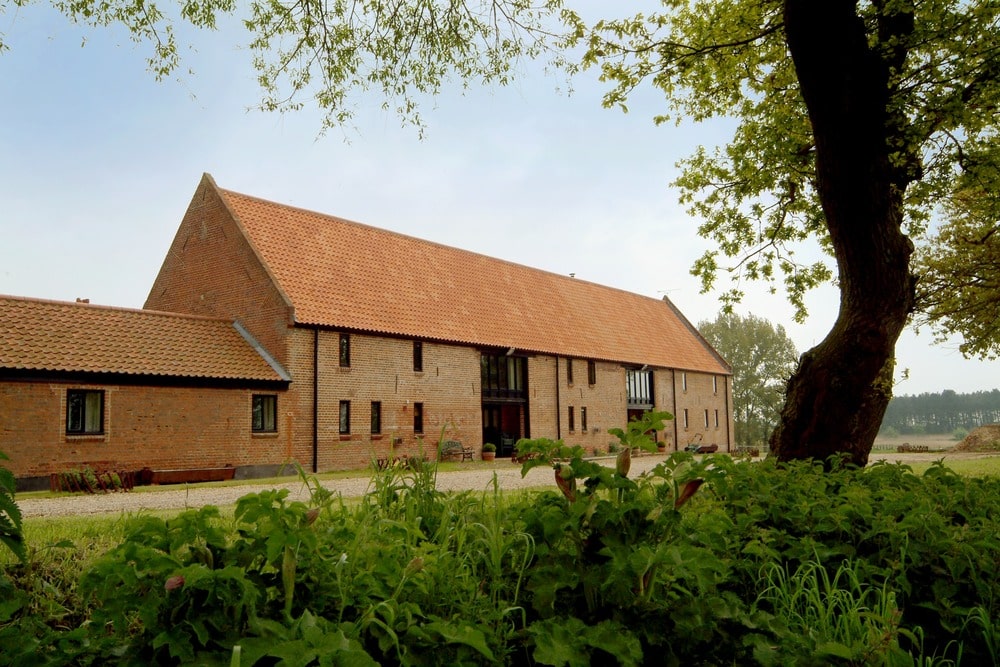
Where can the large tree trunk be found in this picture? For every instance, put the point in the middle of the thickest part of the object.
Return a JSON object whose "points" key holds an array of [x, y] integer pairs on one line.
{"points": [[837, 397]]}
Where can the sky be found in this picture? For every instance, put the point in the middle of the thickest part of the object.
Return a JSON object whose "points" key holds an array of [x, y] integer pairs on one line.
{"points": [[98, 162]]}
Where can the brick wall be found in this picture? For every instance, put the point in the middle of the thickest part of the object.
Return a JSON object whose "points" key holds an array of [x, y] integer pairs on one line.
{"points": [[705, 394], [156, 427], [381, 369], [212, 270]]}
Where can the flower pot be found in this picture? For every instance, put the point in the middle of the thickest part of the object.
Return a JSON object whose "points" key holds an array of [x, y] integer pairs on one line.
{"points": [[489, 456]]}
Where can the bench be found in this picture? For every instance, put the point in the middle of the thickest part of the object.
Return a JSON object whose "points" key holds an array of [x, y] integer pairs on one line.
{"points": [[467, 453]]}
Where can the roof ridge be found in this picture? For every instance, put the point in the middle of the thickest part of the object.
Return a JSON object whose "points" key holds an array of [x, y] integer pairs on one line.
{"points": [[105, 307]]}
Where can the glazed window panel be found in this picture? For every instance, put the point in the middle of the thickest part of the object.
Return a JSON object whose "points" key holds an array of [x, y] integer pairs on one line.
{"points": [[376, 417], [345, 417], [591, 372], [569, 371], [418, 356], [583, 419], [572, 418], [345, 350], [265, 413], [418, 417], [85, 411]]}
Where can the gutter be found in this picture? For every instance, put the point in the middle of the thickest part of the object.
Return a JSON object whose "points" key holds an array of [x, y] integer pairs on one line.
{"points": [[315, 402], [673, 384], [558, 407]]}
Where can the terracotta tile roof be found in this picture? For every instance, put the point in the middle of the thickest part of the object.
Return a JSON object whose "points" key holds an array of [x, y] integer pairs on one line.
{"points": [[347, 275], [38, 335]]}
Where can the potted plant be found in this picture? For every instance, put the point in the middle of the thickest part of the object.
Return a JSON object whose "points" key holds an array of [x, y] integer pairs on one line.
{"points": [[489, 451]]}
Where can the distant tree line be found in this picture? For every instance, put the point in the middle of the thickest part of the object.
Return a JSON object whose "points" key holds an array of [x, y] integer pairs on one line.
{"points": [[942, 413]]}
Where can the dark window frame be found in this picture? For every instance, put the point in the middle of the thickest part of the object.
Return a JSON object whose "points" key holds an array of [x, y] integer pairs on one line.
{"points": [[418, 417], [569, 371], [583, 419], [572, 419], [81, 405], [376, 418], [345, 350], [591, 372], [418, 356], [344, 418], [259, 422]]}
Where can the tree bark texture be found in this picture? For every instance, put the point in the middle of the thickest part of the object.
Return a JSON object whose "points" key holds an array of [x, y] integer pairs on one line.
{"points": [[837, 396]]}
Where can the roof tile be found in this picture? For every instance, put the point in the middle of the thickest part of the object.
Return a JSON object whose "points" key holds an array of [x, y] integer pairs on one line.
{"points": [[348, 275], [44, 335]]}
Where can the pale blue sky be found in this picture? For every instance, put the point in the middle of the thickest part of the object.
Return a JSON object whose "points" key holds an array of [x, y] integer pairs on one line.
{"points": [[99, 162]]}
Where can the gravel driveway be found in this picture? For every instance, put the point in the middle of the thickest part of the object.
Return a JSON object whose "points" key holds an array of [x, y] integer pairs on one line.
{"points": [[183, 497]]}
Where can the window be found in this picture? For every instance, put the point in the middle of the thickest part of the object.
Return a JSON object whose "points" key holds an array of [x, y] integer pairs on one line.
{"points": [[418, 417], [715, 384], [706, 417], [583, 419], [572, 419], [84, 411], [265, 413], [716, 419], [345, 350], [376, 417], [591, 372], [684, 381], [685, 417], [418, 356], [569, 371], [345, 417], [639, 388], [504, 377]]}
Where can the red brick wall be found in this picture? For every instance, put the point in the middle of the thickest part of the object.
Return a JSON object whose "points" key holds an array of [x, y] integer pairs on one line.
{"points": [[212, 270], [701, 395], [381, 370], [158, 427]]}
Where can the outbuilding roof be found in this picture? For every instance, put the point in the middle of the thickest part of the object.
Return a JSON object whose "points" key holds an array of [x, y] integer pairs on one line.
{"points": [[56, 336], [352, 276]]}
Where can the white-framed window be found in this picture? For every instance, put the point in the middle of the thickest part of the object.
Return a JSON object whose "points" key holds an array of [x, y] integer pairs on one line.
{"points": [[84, 411], [265, 413]]}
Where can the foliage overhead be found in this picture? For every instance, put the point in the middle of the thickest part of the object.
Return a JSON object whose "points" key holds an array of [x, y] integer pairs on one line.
{"points": [[762, 357]]}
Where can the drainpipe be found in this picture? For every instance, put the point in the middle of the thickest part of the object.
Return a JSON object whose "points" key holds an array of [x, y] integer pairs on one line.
{"points": [[558, 409], [315, 410], [673, 384], [729, 435]]}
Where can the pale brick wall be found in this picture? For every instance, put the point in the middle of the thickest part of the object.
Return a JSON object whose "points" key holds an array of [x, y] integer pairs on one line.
{"points": [[702, 397]]}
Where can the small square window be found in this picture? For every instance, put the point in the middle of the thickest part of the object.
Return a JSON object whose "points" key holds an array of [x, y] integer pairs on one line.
{"points": [[265, 413], [591, 372], [569, 371], [84, 412], [572, 419], [418, 417], [583, 419], [345, 350], [418, 356], [345, 417], [376, 417]]}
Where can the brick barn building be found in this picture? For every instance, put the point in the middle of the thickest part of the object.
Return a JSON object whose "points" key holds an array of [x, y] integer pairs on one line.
{"points": [[273, 333]]}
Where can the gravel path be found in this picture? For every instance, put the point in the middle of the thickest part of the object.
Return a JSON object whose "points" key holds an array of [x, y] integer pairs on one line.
{"points": [[177, 497]]}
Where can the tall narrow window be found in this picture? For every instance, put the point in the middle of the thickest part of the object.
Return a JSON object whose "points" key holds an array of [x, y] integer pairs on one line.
{"points": [[572, 419], [715, 384], [706, 417], [84, 412], [569, 371], [265, 411], [591, 372], [583, 419], [345, 350], [685, 417], [716, 419], [345, 417], [376, 417], [418, 417], [684, 381], [418, 356]]}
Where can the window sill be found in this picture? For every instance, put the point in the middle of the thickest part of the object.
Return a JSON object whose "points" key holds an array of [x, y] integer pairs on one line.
{"points": [[264, 434], [344, 437], [83, 437], [376, 436]]}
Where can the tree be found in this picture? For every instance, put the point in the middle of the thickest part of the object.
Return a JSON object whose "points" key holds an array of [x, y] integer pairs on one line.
{"points": [[856, 119], [763, 357]]}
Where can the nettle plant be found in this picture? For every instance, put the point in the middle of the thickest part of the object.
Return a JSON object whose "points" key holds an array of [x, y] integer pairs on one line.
{"points": [[614, 577]]}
